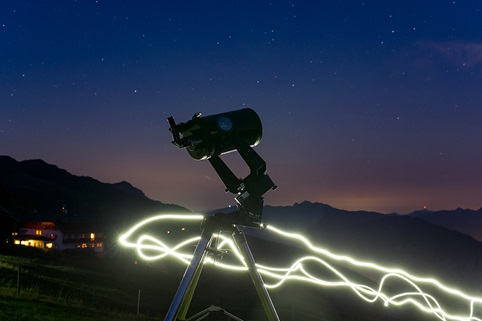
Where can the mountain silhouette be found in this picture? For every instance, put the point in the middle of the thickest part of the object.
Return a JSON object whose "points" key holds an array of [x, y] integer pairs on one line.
{"points": [[397, 241], [462, 220], [36, 185], [411, 242]]}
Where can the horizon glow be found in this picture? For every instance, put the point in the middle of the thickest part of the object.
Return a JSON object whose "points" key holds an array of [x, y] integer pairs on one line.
{"points": [[151, 248]]}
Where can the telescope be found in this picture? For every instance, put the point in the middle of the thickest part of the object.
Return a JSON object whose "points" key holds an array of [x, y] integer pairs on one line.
{"points": [[207, 138]]}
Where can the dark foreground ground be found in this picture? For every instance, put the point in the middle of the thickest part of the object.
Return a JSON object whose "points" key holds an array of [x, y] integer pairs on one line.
{"points": [[39, 286]]}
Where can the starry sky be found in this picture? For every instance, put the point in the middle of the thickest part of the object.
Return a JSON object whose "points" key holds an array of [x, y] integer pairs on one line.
{"points": [[365, 105]]}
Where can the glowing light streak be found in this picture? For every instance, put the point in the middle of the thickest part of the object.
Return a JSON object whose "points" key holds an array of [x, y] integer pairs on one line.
{"points": [[147, 245], [141, 246], [165, 250]]}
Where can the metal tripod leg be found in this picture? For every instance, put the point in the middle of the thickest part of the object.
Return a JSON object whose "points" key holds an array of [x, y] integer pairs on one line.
{"points": [[189, 280], [185, 292], [186, 302], [242, 244]]}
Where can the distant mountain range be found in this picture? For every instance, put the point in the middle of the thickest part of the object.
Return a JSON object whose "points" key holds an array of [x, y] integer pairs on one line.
{"points": [[405, 241], [444, 244], [462, 220]]}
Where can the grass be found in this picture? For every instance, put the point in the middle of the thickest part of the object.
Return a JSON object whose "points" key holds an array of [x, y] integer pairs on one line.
{"points": [[56, 287], [43, 309], [59, 287]]}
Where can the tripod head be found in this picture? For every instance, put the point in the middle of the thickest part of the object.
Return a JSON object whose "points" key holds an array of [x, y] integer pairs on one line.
{"points": [[207, 138]]}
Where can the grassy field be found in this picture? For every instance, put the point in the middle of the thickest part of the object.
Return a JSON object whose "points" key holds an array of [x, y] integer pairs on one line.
{"points": [[35, 285], [40, 286]]}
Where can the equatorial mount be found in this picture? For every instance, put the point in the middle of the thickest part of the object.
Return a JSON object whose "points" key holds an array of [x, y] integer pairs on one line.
{"points": [[207, 138]]}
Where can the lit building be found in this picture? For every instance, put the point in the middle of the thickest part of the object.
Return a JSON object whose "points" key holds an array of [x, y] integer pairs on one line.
{"points": [[52, 231]]}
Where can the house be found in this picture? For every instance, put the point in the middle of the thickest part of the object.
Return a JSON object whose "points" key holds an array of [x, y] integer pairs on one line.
{"points": [[52, 231]]}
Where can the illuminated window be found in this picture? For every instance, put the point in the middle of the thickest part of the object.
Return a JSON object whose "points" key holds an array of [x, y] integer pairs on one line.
{"points": [[34, 243], [92, 236], [84, 245], [49, 245], [99, 244], [17, 242], [38, 232], [14, 233]]}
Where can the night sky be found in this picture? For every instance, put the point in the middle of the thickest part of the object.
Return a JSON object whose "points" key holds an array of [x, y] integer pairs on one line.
{"points": [[366, 105]]}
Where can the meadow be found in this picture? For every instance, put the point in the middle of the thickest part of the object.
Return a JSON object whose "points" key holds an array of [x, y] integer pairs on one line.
{"points": [[35, 285]]}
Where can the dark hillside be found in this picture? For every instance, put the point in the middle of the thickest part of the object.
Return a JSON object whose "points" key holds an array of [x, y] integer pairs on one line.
{"points": [[398, 241], [34, 184], [462, 220], [390, 240]]}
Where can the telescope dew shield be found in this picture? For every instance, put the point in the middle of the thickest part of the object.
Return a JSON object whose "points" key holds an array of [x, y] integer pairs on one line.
{"points": [[204, 137]]}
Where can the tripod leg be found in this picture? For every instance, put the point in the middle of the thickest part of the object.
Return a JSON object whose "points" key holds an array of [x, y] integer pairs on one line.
{"points": [[187, 286], [242, 244], [191, 289]]}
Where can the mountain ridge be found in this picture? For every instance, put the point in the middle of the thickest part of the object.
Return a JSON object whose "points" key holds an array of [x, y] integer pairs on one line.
{"points": [[466, 221], [35, 184], [397, 241]]}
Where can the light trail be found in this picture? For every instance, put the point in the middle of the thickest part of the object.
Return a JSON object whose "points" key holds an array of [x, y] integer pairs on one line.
{"points": [[150, 248]]}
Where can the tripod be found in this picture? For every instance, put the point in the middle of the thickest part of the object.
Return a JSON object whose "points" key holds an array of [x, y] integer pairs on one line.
{"points": [[187, 287]]}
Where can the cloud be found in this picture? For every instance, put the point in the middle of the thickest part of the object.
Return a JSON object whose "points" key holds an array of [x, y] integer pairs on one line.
{"points": [[430, 60], [468, 55]]}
